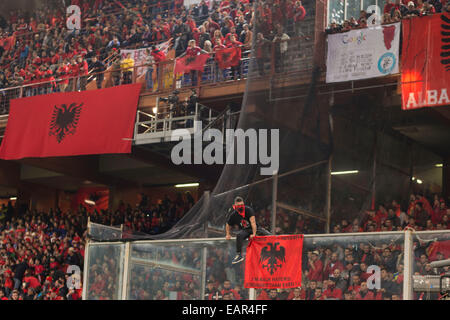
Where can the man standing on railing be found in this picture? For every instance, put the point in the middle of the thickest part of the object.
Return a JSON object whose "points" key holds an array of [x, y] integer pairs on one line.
{"points": [[98, 67], [244, 217]]}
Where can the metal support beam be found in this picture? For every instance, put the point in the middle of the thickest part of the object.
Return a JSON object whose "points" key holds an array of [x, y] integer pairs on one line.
{"points": [[300, 211], [408, 266], [328, 197], [273, 221], [126, 268], [85, 270], [204, 259]]}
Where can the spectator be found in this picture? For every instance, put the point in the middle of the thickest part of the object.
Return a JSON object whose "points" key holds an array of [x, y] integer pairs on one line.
{"points": [[193, 51], [149, 62], [97, 68], [127, 66], [281, 47], [364, 293], [235, 70], [315, 267]]}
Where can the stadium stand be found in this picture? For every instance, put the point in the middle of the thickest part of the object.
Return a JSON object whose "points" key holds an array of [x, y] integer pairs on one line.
{"points": [[39, 55]]}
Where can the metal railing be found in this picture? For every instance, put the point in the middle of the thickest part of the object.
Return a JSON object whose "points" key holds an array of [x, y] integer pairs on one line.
{"points": [[159, 125], [155, 257], [295, 62]]}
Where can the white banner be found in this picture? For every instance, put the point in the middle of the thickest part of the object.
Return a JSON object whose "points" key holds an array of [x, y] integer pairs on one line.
{"points": [[363, 53], [139, 56]]}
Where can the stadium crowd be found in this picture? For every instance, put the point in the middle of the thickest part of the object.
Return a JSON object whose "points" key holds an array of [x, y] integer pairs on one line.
{"points": [[38, 47], [37, 248], [392, 12]]}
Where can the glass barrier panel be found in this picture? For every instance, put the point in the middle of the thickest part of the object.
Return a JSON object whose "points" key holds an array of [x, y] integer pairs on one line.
{"points": [[350, 267], [224, 280], [105, 271], [430, 247], [165, 271], [102, 232]]}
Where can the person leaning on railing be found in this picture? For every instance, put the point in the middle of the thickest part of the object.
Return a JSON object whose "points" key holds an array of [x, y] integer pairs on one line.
{"points": [[158, 57], [127, 66], [233, 43], [281, 47], [193, 51], [116, 71], [98, 67], [219, 74], [83, 71], [261, 52]]}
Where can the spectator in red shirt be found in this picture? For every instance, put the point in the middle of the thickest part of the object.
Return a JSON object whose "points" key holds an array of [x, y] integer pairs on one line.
{"points": [[315, 267], [83, 72], [332, 265], [332, 292], [193, 51], [364, 293]]}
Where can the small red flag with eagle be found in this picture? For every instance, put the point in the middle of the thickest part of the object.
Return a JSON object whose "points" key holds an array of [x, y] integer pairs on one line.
{"points": [[274, 262], [189, 63], [228, 57]]}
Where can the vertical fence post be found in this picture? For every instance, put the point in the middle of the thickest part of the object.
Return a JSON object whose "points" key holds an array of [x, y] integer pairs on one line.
{"points": [[328, 196], [251, 294], [408, 266], [126, 269], [203, 280], [273, 222], [85, 270]]}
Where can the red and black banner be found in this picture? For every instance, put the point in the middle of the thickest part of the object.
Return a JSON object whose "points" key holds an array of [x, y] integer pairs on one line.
{"points": [[93, 198], [228, 57], [189, 63], [274, 262], [436, 247], [426, 62], [70, 124], [8, 42]]}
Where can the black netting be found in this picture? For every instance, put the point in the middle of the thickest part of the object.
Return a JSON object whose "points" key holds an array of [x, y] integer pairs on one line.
{"points": [[341, 153]]}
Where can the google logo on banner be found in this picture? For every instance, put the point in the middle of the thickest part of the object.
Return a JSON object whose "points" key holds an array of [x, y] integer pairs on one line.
{"points": [[359, 38]]}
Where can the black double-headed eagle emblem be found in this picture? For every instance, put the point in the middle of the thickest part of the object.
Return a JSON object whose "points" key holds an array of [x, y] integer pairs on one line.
{"points": [[274, 255], [65, 120]]}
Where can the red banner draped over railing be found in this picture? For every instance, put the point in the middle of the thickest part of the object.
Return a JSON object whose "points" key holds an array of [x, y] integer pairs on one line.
{"points": [[274, 262], [426, 61], [70, 124]]}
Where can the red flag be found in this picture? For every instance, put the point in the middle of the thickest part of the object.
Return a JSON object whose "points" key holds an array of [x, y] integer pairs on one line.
{"points": [[73, 123], [7, 43], [189, 63], [228, 57], [93, 198], [426, 62], [439, 246], [274, 262]]}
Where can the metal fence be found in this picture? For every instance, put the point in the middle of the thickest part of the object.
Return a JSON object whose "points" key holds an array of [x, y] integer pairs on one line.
{"points": [[297, 60], [147, 270]]}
